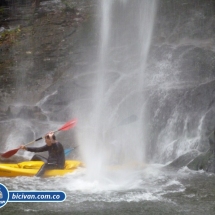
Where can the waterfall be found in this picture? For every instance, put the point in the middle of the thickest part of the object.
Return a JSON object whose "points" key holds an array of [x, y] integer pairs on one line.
{"points": [[115, 130]]}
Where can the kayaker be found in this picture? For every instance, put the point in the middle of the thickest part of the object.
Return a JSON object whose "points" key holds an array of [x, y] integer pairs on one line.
{"points": [[56, 158]]}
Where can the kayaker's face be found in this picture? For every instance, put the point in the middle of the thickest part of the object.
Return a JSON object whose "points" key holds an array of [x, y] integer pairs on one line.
{"points": [[48, 141]]}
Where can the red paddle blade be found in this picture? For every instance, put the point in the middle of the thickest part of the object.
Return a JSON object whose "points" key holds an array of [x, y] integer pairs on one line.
{"points": [[10, 153], [68, 125]]}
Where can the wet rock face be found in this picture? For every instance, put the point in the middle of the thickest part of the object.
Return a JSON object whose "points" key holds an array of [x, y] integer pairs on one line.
{"points": [[36, 48], [26, 112], [181, 105], [185, 21]]}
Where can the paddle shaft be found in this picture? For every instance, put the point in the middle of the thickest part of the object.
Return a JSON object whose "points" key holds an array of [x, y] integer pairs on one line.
{"points": [[40, 138]]}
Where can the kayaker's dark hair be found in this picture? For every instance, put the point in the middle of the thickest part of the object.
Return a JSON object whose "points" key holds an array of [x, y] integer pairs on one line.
{"points": [[48, 137]]}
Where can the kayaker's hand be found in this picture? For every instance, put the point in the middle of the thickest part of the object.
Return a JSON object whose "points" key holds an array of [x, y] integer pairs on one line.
{"points": [[22, 147]]}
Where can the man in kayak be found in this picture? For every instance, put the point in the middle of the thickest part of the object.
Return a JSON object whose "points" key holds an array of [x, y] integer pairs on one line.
{"points": [[56, 158]]}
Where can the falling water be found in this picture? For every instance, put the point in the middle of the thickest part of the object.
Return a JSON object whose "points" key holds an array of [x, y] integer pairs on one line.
{"points": [[116, 120]]}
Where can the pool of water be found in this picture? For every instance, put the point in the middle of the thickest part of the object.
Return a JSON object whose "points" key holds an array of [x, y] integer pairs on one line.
{"points": [[149, 190]]}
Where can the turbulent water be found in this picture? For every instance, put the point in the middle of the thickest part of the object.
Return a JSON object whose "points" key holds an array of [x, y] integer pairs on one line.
{"points": [[151, 190], [142, 100]]}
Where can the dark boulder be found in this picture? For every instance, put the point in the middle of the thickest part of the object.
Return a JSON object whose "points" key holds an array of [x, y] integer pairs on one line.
{"points": [[206, 160], [183, 160]]}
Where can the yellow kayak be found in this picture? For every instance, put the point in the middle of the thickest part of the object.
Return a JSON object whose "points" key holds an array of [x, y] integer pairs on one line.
{"points": [[30, 168]]}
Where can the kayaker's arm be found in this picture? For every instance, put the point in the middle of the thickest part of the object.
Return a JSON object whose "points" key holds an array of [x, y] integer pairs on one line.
{"points": [[35, 149]]}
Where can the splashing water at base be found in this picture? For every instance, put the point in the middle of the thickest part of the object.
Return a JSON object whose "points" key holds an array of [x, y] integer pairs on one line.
{"points": [[150, 190]]}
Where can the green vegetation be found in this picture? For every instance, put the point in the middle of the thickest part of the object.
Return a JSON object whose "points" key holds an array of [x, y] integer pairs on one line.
{"points": [[9, 36], [2, 11], [68, 7]]}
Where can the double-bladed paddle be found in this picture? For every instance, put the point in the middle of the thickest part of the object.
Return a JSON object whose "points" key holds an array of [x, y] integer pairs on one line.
{"points": [[65, 127]]}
